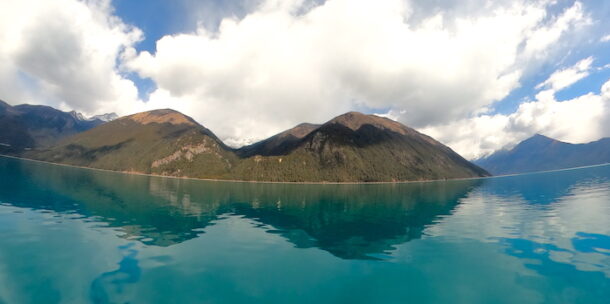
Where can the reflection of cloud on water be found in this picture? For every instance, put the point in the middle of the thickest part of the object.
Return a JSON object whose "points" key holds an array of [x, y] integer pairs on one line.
{"points": [[557, 226], [575, 284], [113, 286]]}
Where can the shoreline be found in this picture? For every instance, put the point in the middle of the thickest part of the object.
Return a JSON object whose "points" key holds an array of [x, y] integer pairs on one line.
{"points": [[298, 183]]}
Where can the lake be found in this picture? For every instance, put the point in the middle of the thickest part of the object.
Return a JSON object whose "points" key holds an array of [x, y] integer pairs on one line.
{"points": [[70, 235]]}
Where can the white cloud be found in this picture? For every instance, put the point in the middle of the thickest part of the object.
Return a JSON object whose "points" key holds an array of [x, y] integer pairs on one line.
{"points": [[285, 62], [605, 38], [579, 120], [280, 65], [64, 53], [566, 77]]}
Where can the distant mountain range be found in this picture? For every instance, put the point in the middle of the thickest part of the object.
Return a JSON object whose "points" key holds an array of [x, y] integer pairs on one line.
{"points": [[30, 126], [352, 147], [96, 118], [540, 153], [349, 148], [104, 117]]}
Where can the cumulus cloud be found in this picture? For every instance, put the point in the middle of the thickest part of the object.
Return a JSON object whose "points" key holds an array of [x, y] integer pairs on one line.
{"points": [[64, 53], [579, 120], [434, 65], [288, 61]]}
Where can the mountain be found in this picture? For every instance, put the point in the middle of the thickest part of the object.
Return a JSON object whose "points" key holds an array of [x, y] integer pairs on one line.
{"points": [[78, 116], [27, 126], [105, 117], [161, 141], [540, 153], [280, 143], [350, 148], [14, 135], [102, 117], [355, 147]]}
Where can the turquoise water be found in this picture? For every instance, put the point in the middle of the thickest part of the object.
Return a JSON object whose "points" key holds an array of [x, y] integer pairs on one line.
{"points": [[71, 235]]}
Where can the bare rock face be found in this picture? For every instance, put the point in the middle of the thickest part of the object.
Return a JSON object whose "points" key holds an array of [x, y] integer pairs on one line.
{"points": [[186, 152]]}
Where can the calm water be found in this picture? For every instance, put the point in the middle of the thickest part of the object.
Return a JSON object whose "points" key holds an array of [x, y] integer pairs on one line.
{"points": [[71, 235]]}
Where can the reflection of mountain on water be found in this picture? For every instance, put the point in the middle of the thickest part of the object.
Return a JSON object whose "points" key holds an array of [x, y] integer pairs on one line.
{"points": [[349, 221], [353, 221], [118, 200]]}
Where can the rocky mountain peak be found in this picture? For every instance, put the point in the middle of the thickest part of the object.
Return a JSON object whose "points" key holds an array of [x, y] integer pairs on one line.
{"points": [[162, 116], [355, 120]]}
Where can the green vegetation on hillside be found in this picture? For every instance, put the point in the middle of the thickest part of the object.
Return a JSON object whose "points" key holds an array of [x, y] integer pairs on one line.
{"points": [[351, 148]]}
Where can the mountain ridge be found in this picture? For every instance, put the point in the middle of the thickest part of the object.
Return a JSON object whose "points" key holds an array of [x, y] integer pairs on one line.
{"points": [[138, 143], [542, 153], [352, 147], [27, 126], [279, 143]]}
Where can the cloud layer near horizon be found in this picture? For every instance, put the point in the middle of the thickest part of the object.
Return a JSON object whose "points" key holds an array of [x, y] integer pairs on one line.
{"points": [[286, 62]]}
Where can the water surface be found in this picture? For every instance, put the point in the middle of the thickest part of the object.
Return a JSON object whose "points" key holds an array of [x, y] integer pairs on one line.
{"points": [[70, 235]]}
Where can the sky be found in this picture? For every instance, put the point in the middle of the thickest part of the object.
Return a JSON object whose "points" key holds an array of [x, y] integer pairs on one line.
{"points": [[477, 75]]}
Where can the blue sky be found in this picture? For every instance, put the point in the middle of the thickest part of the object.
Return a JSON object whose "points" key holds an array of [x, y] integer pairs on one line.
{"points": [[158, 18], [478, 75]]}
